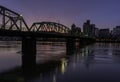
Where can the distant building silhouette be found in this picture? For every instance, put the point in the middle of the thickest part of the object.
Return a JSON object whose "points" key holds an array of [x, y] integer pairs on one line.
{"points": [[104, 33], [75, 30], [92, 30], [116, 32], [89, 29]]}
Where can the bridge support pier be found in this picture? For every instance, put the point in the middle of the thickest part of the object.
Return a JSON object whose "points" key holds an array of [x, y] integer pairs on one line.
{"points": [[28, 52], [70, 46]]}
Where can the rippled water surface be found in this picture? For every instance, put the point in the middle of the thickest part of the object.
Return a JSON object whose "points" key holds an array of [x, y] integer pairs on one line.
{"points": [[99, 62]]}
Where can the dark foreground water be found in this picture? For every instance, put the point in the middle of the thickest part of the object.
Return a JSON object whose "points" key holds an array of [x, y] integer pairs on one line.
{"points": [[98, 62]]}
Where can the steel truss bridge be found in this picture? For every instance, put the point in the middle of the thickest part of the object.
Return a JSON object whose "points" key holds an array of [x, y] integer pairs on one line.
{"points": [[13, 24]]}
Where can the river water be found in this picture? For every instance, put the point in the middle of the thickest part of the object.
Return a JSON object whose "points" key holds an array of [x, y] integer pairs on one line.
{"points": [[99, 62]]}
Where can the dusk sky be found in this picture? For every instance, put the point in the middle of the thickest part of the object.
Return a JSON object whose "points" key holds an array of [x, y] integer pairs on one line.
{"points": [[103, 13]]}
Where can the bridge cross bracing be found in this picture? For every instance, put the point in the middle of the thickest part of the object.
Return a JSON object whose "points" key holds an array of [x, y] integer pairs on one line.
{"points": [[10, 20]]}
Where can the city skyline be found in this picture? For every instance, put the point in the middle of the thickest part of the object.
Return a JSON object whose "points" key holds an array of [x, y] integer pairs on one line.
{"points": [[102, 13]]}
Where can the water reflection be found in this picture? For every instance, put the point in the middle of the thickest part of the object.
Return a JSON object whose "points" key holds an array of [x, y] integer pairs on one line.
{"points": [[54, 78], [63, 65], [99, 62], [50, 51]]}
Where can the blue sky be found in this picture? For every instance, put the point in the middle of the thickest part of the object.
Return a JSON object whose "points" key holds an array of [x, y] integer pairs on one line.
{"points": [[103, 13]]}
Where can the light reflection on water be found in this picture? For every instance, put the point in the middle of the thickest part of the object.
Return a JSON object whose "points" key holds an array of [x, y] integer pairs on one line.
{"points": [[50, 51], [99, 62]]}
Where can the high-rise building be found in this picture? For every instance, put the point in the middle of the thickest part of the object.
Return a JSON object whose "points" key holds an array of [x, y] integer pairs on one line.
{"points": [[89, 29], [86, 28]]}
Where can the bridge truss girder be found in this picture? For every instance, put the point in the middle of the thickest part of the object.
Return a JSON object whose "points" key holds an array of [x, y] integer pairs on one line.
{"points": [[49, 27], [10, 20]]}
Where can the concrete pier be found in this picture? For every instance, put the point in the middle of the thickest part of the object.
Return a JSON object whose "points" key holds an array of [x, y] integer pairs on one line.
{"points": [[28, 52]]}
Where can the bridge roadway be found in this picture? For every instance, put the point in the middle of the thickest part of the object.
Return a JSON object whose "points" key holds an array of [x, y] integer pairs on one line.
{"points": [[15, 33]]}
